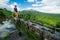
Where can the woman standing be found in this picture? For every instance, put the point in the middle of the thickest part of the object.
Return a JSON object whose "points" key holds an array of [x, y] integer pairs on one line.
{"points": [[16, 11]]}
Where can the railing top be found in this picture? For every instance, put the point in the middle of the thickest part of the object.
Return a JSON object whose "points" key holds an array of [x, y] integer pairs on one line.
{"points": [[42, 28]]}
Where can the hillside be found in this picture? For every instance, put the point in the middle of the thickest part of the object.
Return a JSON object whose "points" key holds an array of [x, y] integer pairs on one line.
{"points": [[39, 17], [34, 16], [2, 16]]}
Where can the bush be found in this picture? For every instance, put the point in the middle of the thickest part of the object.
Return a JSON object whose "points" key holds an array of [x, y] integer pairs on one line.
{"points": [[58, 25]]}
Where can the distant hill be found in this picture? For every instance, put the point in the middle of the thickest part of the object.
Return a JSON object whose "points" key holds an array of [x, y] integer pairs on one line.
{"points": [[45, 18]]}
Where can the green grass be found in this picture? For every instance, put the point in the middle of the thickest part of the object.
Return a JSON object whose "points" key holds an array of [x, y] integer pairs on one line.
{"points": [[34, 16], [30, 35], [39, 17]]}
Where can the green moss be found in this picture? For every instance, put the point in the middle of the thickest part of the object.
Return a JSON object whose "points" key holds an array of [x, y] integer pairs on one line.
{"points": [[30, 34]]}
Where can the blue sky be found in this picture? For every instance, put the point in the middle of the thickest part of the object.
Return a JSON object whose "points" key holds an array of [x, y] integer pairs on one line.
{"points": [[48, 6], [23, 3]]}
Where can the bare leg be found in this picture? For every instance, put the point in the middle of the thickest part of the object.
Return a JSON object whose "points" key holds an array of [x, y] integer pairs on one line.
{"points": [[16, 14]]}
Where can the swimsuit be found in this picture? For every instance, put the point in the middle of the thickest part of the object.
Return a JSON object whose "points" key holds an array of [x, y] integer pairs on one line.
{"points": [[15, 9]]}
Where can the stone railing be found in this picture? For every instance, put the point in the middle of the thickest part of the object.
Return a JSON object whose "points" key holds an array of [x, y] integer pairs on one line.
{"points": [[43, 32]]}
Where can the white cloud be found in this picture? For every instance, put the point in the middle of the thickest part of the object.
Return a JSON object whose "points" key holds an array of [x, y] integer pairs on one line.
{"points": [[50, 9], [52, 6], [33, 1], [49, 6], [30, 0], [47, 9], [4, 1], [51, 2], [37, 4], [4, 4]]}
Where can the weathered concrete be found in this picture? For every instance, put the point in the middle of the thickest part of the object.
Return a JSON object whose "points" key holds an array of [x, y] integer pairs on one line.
{"points": [[15, 36], [45, 33]]}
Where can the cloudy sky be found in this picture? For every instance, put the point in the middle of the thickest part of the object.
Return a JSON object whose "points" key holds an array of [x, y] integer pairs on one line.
{"points": [[50, 6]]}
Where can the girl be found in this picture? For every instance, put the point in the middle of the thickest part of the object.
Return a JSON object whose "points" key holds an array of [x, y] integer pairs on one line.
{"points": [[16, 12]]}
